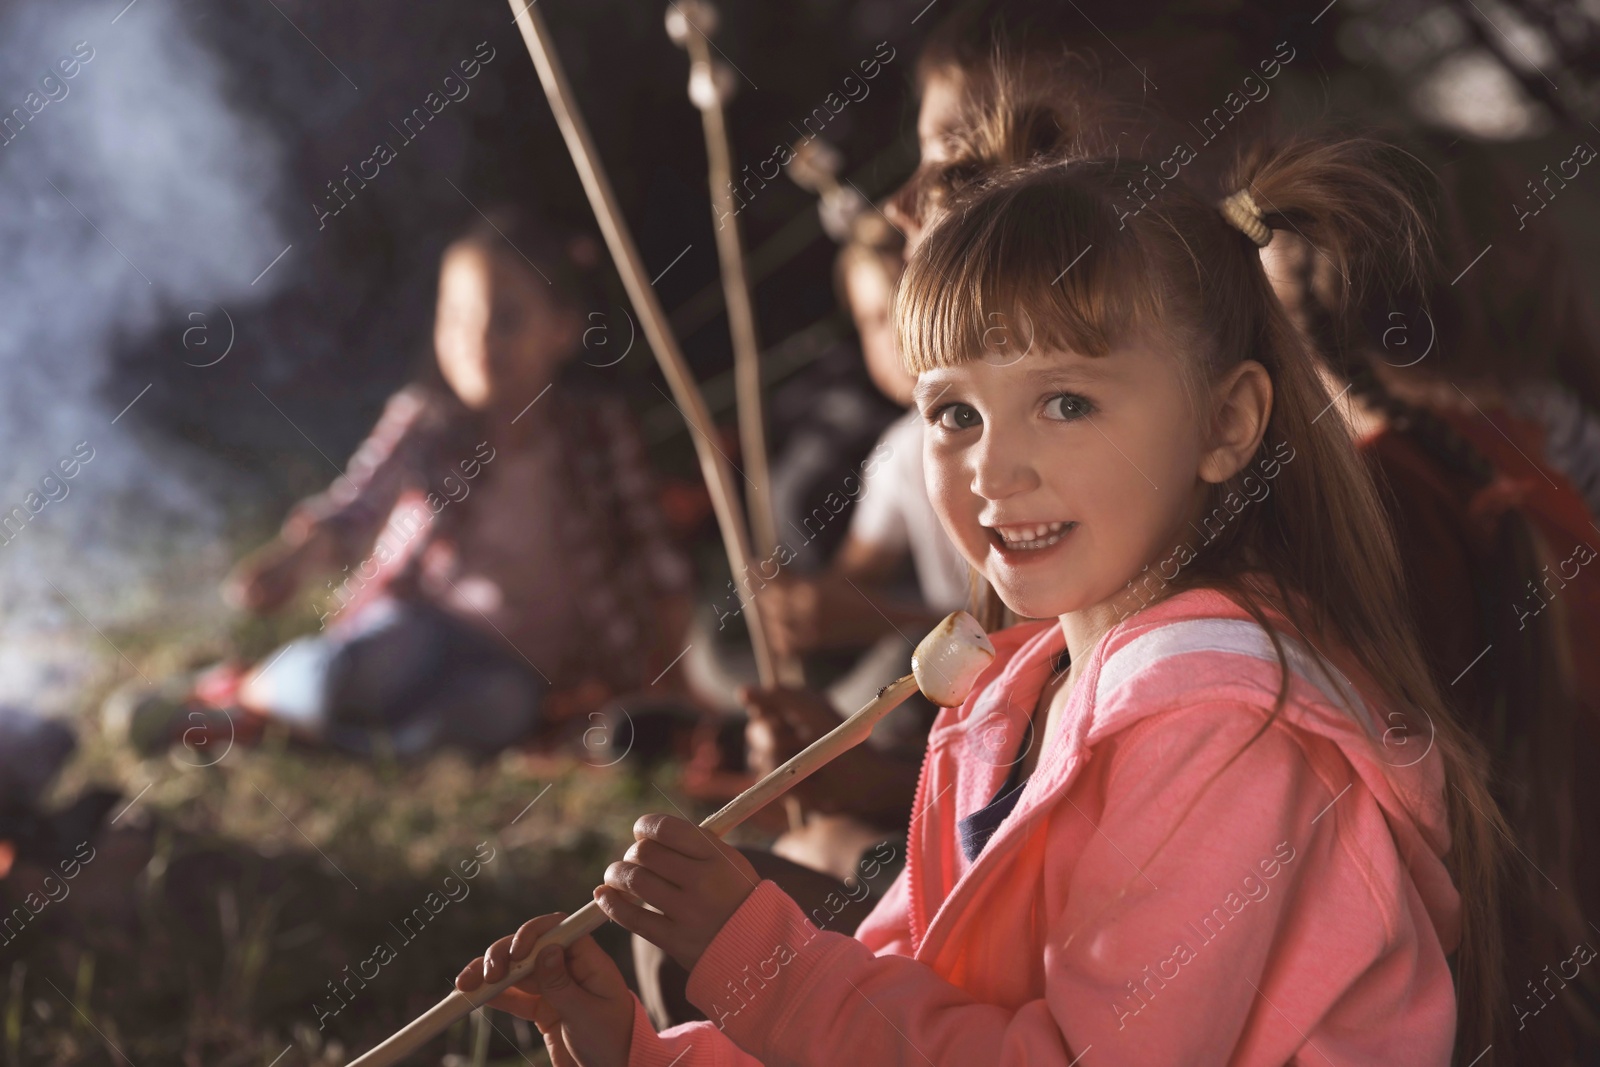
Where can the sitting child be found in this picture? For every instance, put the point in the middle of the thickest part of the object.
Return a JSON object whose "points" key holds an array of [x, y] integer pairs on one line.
{"points": [[849, 603], [497, 552]]}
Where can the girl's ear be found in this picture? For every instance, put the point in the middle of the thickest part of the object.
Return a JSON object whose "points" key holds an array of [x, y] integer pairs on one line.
{"points": [[1243, 403]]}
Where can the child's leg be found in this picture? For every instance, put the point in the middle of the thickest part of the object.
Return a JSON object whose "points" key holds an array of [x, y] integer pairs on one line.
{"points": [[423, 680], [483, 707]]}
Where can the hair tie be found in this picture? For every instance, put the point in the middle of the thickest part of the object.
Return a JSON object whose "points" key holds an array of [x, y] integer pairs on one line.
{"points": [[1245, 215]]}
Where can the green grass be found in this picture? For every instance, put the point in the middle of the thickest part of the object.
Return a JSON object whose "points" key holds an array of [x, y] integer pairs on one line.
{"points": [[225, 898], [210, 922]]}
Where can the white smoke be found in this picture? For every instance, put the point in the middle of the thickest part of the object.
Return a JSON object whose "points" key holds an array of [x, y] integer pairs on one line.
{"points": [[132, 195]]}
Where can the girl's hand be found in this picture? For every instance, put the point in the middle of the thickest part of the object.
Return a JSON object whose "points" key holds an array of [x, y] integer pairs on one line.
{"points": [[694, 880], [265, 580], [577, 998], [822, 611], [783, 722]]}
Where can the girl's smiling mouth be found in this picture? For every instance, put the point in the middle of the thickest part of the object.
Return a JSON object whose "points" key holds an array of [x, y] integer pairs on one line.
{"points": [[1014, 538]]}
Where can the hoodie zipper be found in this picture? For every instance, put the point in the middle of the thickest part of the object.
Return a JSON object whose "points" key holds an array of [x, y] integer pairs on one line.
{"points": [[915, 922], [991, 860], [1011, 830], [914, 883]]}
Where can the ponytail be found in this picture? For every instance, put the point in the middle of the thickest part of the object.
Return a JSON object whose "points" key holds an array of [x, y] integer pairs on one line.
{"points": [[1319, 551], [1363, 207], [1521, 704]]}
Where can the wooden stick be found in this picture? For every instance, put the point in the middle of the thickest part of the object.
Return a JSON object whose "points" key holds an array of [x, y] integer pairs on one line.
{"points": [[945, 666], [714, 466], [706, 94], [589, 918]]}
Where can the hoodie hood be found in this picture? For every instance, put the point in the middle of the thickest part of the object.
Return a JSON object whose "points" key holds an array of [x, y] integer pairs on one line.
{"points": [[1196, 641]]}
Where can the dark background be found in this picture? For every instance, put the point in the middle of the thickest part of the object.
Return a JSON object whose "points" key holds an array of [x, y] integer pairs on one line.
{"points": [[227, 898], [352, 319]]}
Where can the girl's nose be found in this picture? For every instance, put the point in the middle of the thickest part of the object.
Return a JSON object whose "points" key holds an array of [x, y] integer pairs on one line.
{"points": [[1001, 466]]}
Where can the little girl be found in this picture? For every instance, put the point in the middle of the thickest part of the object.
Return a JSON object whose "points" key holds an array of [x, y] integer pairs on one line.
{"points": [[1208, 807], [504, 557]]}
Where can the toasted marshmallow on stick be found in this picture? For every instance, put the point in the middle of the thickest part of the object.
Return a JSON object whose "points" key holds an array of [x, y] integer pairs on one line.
{"points": [[945, 667]]}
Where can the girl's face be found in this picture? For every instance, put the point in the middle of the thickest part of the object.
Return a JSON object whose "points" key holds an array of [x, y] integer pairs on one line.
{"points": [[500, 334], [869, 284], [1060, 476], [937, 118]]}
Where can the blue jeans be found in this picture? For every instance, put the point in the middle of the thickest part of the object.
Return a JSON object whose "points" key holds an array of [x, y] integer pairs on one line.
{"points": [[406, 677]]}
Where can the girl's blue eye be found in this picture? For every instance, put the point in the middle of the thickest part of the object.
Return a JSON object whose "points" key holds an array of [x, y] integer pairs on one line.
{"points": [[1069, 407], [955, 417]]}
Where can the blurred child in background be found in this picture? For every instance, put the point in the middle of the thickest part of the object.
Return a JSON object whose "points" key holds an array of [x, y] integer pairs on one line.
{"points": [[855, 602], [498, 559]]}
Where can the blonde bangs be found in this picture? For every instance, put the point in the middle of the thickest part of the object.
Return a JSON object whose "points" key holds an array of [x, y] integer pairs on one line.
{"points": [[1036, 264]]}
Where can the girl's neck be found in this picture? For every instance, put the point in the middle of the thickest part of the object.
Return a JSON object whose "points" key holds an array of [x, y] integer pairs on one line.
{"points": [[1083, 630], [503, 434], [516, 420]]}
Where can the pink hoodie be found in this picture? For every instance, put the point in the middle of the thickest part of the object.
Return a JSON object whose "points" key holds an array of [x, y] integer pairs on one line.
{"points": [[1125, 913]]}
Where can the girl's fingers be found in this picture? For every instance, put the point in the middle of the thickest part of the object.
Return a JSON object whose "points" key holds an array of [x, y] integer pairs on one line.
{"points": [[496, 963], [556, 1044], [676, 834], [471, 977], [657, 929], [595, 971], [692, 842], [519, 1002], [547, 1018], [515, 1000], [646, 885], [497, 960], [577, 990], [530, 932], [670, 865]]}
